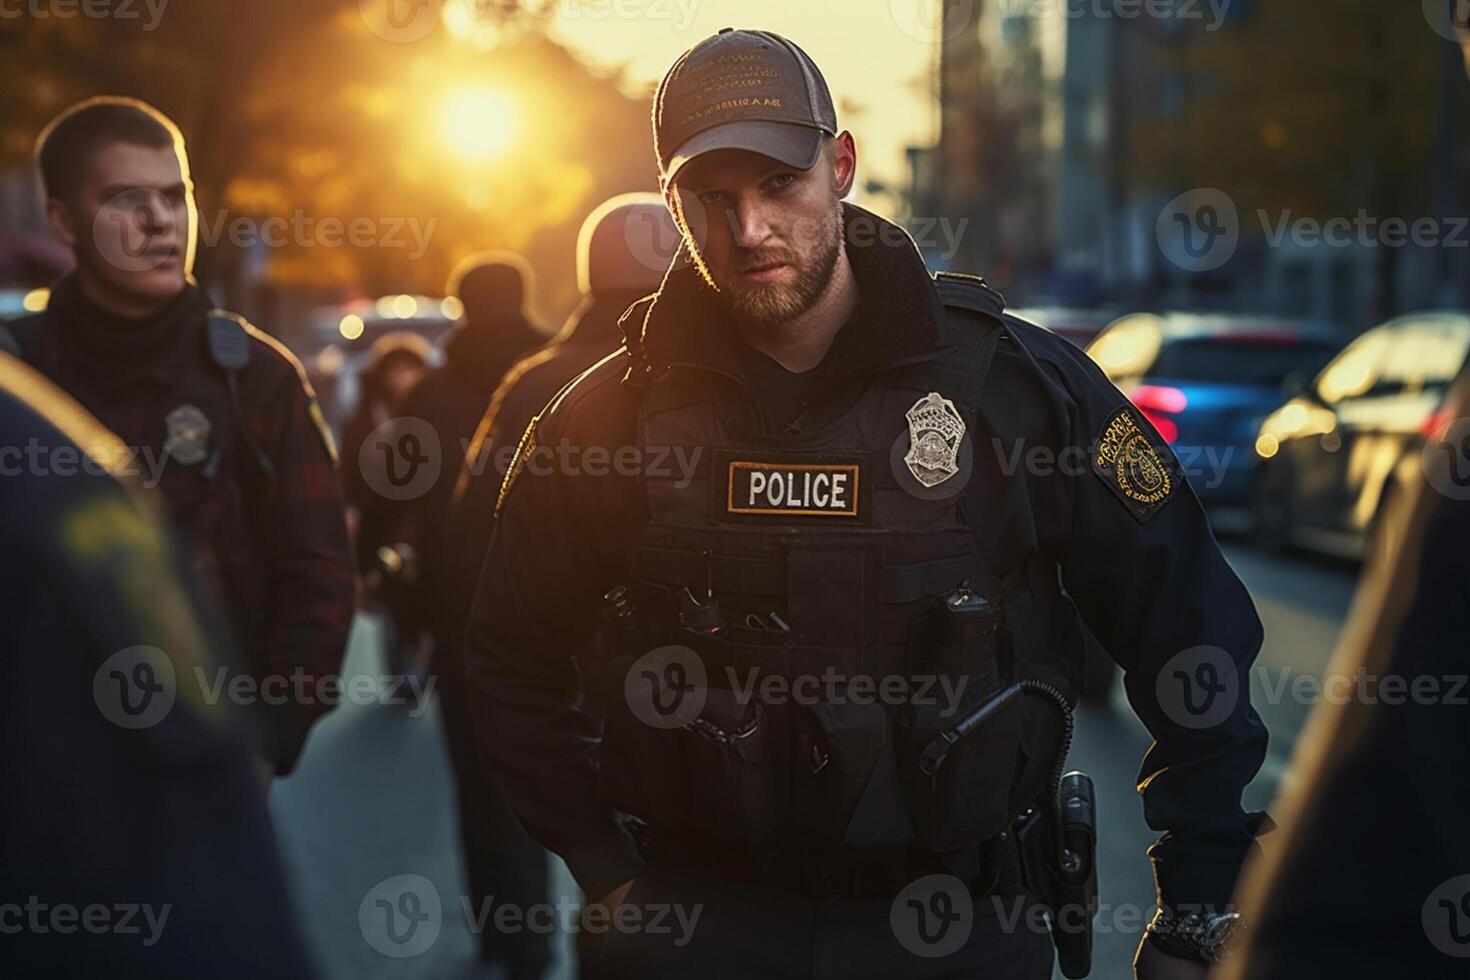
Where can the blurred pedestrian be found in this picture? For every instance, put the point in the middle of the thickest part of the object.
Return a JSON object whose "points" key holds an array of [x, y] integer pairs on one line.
{"points": [[623, 249], [134, 840], [387, 565], [219, 412], [395, 365], [1369, 873], [447, 405]]}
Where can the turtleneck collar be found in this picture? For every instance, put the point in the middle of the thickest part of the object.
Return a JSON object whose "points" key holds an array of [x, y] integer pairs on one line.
{"points": [[104, 343]]}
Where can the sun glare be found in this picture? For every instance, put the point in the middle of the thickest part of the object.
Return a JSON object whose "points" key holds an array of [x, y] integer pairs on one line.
{"points": [[478, 123]]}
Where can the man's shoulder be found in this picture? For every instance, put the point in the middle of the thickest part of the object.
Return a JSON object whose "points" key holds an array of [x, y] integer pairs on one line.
{"points": [[1046, 347], [594, 406], [232, 341]]}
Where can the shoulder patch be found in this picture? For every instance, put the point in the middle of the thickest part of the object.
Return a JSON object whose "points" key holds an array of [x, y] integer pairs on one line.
{"points": [[1125, 458]]}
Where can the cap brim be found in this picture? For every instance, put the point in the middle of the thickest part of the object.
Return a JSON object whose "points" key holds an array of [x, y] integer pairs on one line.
{"points": [[792, 144]]}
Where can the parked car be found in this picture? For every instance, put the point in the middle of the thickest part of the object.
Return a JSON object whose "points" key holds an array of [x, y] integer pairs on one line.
{"points": [[337, 343], [1077, 325], [1207, 381], [1332, 456]]}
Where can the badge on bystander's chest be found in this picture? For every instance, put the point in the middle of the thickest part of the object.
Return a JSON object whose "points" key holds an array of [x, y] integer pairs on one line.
{"points": [[187, 442], [1125, 459]]}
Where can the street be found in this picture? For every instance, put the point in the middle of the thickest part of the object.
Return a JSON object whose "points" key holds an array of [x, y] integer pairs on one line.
{"points": [[372, 797]]}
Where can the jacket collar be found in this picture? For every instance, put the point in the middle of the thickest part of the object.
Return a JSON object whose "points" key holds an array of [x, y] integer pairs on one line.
{"points": [[898, 315]]}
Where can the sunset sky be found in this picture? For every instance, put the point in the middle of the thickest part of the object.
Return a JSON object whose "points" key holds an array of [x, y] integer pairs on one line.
{"points": [[878, 56]]}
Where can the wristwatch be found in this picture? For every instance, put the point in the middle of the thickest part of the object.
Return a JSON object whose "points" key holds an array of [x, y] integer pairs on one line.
{"points": [[1201, 936]]}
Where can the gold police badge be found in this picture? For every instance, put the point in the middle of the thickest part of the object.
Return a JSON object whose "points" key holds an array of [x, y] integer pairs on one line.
{"points": [[935, 431], [188, 435]]}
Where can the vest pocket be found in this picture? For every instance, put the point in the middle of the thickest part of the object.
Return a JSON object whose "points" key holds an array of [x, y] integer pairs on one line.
{"points": [[957, 784], [731, 770], [845, 776]]}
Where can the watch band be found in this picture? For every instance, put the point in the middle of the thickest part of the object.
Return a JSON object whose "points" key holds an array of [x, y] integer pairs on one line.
{"points": [[1205, 937]]}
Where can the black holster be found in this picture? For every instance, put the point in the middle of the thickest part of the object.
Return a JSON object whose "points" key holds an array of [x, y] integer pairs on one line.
{"points": [[1057, 839]]}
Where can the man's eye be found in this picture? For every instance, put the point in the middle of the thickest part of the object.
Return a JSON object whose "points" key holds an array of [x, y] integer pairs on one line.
{"points": [[783, 181], [711, 198]]}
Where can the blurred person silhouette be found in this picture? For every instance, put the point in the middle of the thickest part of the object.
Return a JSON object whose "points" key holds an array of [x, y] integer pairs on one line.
{"points": [[623, 249], [134, 840], [396, 363], [387, 568], [1369, 875], [445, 406]]}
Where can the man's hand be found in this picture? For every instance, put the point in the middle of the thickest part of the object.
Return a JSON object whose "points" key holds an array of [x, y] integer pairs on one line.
{"points": [[1152, 963]]}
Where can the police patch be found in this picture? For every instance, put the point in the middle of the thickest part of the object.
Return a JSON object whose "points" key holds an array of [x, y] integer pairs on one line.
{"points": [[1126, 460], [823, 488], [188, 435]]}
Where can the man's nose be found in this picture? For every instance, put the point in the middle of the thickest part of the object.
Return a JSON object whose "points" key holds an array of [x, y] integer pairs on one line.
{"points": [[750, 224], [154, 214]]}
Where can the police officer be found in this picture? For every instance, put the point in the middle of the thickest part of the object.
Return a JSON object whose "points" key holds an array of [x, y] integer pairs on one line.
{"points": [[218, 416], [134, 841], [846, 486]]}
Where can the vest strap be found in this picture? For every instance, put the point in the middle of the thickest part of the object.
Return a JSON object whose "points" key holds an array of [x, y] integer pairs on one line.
{"points": [[898, 583]]}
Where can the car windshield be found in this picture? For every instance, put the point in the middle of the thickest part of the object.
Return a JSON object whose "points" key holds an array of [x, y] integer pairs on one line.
{"points": [[1240, 360]]}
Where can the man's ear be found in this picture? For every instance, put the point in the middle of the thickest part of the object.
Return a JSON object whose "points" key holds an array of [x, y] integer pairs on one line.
{"points": [[844, 163], [59, 218]]}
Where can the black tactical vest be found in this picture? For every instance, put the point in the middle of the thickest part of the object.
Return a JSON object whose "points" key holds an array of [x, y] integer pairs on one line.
{"points": [[821, 621]]}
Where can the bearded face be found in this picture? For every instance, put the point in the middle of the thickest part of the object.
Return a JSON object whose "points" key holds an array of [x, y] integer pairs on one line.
{"points": [[767, 237]]}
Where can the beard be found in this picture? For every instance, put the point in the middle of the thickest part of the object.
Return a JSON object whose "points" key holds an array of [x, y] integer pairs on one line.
{"points": [[770, 305]]}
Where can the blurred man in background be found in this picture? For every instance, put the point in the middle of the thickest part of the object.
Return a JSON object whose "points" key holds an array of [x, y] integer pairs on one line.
{"points": [[449, 401], [396, 364], [219, 413], [134, 841], [386, 567], [623, 249]]}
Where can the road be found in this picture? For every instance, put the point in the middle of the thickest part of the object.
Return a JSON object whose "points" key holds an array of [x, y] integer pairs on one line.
{"points": [[371, 799]]}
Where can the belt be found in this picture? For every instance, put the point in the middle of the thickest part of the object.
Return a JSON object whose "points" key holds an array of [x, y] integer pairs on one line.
{"points": [[825, 870]]}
